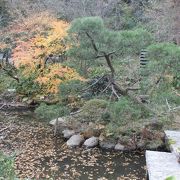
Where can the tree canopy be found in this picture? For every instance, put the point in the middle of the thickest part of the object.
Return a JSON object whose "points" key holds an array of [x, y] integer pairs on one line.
{"points": [[90, 39]]}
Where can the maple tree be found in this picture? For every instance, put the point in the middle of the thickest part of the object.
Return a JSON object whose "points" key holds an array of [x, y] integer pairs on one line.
{"points": [[40, 38], [35, 39]]}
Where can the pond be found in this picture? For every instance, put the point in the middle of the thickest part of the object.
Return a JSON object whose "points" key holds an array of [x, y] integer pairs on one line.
{"points": [[40, 155]]}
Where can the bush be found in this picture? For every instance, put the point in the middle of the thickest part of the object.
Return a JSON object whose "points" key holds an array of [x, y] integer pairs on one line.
{"points": [[70, 94], [125, 111], [6, 167], [93, 110], [5, 82], [49, 112], [72, 87]]}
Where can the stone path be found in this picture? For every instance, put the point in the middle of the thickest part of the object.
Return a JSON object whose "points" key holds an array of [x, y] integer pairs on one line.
{"points": [[161, 165], [173, 139]]}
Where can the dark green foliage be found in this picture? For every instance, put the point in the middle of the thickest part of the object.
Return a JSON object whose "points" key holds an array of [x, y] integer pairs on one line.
{"points": [[73, 87], [125, 111], [163, 80], [91, 40], [93, 110], [5, 82], [27, 86], [70, 94], [165, 57], [6, 167], [106, 40], [176, 81], [49, 112]]}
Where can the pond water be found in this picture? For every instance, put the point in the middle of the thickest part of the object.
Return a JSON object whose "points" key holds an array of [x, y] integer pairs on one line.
{"points": [[40, 155]]}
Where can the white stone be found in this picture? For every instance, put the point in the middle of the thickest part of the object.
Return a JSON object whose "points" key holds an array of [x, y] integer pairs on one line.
{"points": [[119, 147], [161, 165], [60, 121], [173, 137], [11, 90], [75, 140], [91, 142], [68, 133]]}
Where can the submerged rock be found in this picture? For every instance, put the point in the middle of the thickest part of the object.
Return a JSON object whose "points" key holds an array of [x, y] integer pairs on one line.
{"points": [[68, 133], [75, 140], [91, 142], [119, 147]]}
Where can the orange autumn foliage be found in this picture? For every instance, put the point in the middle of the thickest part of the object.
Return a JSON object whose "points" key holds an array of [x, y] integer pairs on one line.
{"points": [[55, 75], [45, 36], [35, 39]]}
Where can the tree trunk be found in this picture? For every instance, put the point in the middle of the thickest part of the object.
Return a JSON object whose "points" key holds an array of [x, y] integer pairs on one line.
{"points": [[108, 60]]}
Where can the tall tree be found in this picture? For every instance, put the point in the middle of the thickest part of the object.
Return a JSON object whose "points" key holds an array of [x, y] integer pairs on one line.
{"points": [[91, 40]]}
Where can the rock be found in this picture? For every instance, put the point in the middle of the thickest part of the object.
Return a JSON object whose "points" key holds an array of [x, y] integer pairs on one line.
{"points": [[68, 133], [60, 121], [101, 137], [119, 147], [91, 132], [11, 90], [107, 144], [2, 137], [91, 142], [75, 140]]}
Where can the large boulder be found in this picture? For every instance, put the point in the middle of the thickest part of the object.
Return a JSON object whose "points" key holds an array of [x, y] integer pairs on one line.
{"points": [[91, 142], [75, 140], [68, 133]]}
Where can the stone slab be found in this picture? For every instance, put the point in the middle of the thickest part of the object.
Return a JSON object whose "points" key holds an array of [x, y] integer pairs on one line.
{"points": [[173, 139], [161, 165]]}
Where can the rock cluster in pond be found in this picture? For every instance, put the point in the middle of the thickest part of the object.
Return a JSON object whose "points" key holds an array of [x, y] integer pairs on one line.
{"points": [[90, 135]]}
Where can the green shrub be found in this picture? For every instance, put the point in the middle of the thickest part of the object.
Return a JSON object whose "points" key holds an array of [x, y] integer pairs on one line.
{"points": [[5, 82], [125, 111], [6, 167], [72, 87], [49, 112], [93, 110], [70, 94], [27, 85]]}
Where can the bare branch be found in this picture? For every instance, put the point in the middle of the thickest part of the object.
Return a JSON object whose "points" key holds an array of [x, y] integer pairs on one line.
{"points": [[92, 41], [114, 91], [169, 107], [94, 83]]}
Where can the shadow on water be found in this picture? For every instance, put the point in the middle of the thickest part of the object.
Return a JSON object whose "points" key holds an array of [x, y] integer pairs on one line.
{"points": [[43, 156]]}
